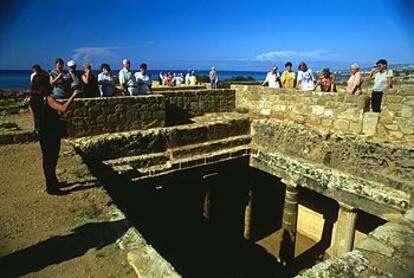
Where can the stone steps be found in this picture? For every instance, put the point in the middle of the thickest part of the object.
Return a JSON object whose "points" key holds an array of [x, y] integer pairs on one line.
{"points": [[149, 165]]}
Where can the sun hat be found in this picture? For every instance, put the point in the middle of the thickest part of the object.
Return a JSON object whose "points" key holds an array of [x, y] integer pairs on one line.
{"points": [[71, 63]]}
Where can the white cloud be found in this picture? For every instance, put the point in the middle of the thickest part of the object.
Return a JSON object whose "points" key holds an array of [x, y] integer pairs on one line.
{"points": [[94, 54], [284, 54]]}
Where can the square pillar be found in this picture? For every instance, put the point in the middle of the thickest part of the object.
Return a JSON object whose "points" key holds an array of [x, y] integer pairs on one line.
{"points": [[344, 233]]}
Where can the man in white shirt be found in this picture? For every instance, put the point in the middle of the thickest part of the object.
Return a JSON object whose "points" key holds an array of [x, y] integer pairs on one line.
{"points": [[383, 79], [272, 78], [144, 81], [127, 79]]}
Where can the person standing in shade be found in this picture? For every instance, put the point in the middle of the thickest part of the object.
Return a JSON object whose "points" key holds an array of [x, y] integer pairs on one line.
{"points": [[60, 81], [355, 81], [90, 83], [127, 80], [213, 78], [305, 78], [272, 78], [144, 81], [75, 77], [43, 109], [106, 81], [288, 77], [383, 79], [36, 69]]}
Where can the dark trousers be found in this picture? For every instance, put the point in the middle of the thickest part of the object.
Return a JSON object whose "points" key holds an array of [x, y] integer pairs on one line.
{"points": [[376, 99], [50, 147]]}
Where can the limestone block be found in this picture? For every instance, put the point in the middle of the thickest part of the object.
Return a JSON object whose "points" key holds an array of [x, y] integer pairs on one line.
{"points": [[355, 127], [406, 112], [375, 246], [317, 110], [369, 123], [394, 107], [395, 135], [393, 99], [147, 263], [327, 123], [391, 126], [328, 113], [341, 124]]}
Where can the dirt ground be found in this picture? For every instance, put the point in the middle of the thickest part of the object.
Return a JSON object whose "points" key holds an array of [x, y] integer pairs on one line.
{"points": [[54, 236]]}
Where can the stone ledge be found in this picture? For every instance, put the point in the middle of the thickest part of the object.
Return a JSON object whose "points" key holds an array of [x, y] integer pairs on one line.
{"points": [[368, 196], [388, 251]]}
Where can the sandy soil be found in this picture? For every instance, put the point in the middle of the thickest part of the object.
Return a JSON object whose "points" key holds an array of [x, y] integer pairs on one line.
{"points": [[54, 236]]}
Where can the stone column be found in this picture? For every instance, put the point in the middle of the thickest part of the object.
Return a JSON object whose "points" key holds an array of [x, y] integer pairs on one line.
{"points": [[289, 223], [343, 240], [248, 216]]}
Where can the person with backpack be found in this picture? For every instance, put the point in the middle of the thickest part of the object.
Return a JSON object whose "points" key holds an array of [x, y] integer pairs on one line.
{"points": [[48, 127]]}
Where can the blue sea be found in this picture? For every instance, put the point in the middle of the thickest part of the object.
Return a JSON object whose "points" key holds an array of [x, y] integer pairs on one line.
{"points": [[20, 79]]}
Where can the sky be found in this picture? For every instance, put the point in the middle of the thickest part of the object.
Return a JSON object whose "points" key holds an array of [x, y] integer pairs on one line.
{"points": [[231, 35]]}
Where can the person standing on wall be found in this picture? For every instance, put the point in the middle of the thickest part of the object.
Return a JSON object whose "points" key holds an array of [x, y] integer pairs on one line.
{"points": [[48, 127], [127, 79], [383, 79], [272, 78], [213, 78], [288, 77]]}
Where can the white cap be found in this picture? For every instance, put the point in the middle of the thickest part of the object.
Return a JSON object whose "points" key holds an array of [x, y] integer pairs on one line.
{"points": [[125, 61], [355, 66], [213, 68], [71, 63]]}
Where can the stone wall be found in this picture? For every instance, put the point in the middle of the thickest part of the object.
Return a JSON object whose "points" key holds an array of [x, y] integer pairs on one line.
{"points": [[396, 120], [338, 112], [102, 115], [387, 163], [90, 116], [186, 104]]}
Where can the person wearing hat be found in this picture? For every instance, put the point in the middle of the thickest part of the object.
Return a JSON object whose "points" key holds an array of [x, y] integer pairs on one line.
{"points": [[75, 77], [127, 80], [60, 81], [272, 78], [213, 78]]}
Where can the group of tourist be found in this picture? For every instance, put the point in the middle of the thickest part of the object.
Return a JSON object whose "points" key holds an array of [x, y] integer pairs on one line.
{"points": [[61, 83], [189, 79], [65, 82], [326, 82]]}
